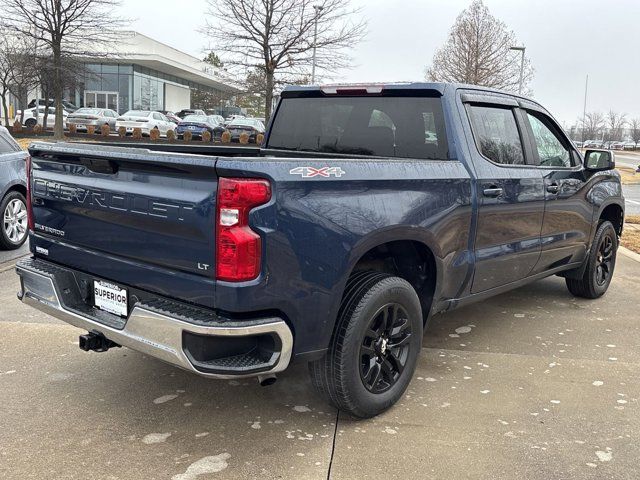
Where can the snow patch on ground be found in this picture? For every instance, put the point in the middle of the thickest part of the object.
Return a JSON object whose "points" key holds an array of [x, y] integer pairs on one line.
{"points": [[301, 408], [212, 464], [164, 399], [598, 383], [155, 438]]}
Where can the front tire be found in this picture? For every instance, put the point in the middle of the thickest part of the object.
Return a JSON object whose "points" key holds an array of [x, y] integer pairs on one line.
{"points": [[600, 264], [13, 226], [374, 348]]}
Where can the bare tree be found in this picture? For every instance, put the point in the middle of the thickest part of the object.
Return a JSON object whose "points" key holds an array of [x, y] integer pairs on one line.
{"points": [[66, 28], [592, 125], [615, 124], [277, 36], [478, 52], [18, 73], [635, 130]]}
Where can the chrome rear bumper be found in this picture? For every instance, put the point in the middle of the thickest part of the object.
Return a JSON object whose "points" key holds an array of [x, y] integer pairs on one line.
{"points": [[152, 331]]}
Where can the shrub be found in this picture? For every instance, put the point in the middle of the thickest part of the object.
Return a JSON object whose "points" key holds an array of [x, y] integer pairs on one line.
{"points": [[171, 135], [154, 134], [122, 132], [37, 129], [259, 138], [91, 129], [206, 136], [72, 128], [244, 138], [105, 130], [188, 136], [226, 136], [17, 127], [137, 133]]}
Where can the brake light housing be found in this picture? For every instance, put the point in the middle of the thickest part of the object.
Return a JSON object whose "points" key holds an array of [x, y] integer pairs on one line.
{"points": [[238, 247], [30, 219]]}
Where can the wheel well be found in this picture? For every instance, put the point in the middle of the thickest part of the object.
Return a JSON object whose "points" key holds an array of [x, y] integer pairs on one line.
{"points": [[407, 259], [613, 213], [20, 189]]}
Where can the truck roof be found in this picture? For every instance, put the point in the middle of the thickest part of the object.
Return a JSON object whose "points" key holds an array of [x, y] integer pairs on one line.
{"points": [[439, 87]]}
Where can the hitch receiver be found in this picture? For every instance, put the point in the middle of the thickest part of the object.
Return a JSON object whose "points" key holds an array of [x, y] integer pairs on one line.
{"points": [[95, 341]]}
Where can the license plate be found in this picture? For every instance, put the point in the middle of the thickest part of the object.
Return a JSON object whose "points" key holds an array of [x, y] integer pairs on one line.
{"points": [[191, 127], [110, 298]]}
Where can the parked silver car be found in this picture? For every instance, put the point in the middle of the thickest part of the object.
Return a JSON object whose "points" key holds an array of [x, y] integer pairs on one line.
{"points": [[13, 189], [97, 117]]}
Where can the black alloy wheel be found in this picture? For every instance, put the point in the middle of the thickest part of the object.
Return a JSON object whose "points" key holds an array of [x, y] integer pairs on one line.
{"points": [[385, 348]]}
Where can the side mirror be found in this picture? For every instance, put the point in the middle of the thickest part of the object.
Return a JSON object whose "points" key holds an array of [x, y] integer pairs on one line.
{"points": [[598, 160]]}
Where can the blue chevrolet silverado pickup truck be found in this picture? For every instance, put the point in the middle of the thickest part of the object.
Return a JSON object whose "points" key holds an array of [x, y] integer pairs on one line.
{"points": [[367, 210]]}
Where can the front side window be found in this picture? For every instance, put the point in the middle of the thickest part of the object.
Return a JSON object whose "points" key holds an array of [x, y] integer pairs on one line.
{"points": [[551, 151], [497, 135]]}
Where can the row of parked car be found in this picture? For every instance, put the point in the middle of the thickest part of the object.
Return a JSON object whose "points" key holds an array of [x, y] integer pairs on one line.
{"points": [[627, 145], [197, 122]]}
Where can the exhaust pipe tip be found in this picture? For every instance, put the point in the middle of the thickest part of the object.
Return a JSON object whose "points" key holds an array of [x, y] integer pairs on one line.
{"points": [[266, 380]]}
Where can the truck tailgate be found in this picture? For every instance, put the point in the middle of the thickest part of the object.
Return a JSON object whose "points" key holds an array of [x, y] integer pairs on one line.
{"points": [[130, 214]]}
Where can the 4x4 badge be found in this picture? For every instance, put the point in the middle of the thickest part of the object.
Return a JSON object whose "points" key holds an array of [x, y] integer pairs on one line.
{"points": [[309, 172]]}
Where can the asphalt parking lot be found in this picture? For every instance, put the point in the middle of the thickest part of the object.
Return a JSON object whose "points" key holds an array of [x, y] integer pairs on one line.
{"points": [[533, 384]]}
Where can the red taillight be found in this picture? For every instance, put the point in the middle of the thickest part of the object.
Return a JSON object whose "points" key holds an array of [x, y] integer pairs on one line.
{"points": [[30, 220], [239, 249]]}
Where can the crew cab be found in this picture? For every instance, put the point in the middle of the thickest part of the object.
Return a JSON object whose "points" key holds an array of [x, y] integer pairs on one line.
{"points": [[366, 211]]}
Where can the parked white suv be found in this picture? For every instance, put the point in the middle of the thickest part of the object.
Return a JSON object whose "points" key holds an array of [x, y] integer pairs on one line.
{"points": [[145, 121]]}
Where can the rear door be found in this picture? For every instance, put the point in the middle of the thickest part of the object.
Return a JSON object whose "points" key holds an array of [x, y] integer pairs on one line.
{"points": [[567, 224], [510, 190]]}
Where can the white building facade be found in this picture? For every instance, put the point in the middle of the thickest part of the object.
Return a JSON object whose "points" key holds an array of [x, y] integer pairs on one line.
{"points": [[142, 73]]}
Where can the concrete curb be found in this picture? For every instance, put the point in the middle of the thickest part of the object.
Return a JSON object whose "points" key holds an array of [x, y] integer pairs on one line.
{"points": [[629, 254]]}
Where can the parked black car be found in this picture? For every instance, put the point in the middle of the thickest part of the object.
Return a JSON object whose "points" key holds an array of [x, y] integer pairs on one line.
{"points": [[13, 191], [197, 125], [251, 126]]}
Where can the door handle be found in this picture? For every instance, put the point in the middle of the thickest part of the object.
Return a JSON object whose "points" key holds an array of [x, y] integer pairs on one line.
{"points": [[553, 188], [492, 192]]}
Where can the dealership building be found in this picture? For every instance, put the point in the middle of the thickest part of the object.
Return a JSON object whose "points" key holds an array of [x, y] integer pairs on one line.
{"points": [[144, 74]]}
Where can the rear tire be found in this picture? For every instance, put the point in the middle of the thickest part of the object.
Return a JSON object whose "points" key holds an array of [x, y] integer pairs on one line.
{"points": [[600, 264], [13, 221], [374, 348]]}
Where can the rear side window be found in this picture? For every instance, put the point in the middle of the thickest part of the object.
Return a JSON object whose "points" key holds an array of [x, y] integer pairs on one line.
{"points": [[6, 146], [551, 151], [496, 134], [384, 126]]}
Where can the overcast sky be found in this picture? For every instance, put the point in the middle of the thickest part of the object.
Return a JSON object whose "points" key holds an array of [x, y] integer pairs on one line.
{"points": [[565, 40]]}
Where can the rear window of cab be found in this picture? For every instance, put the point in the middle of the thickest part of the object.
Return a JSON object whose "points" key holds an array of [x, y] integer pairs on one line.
{"points": [[380, 126]]}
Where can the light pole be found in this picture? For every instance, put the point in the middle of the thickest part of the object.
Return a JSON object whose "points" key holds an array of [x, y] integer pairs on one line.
{"points": [[318, 9], [520, 49], [584, 107]]}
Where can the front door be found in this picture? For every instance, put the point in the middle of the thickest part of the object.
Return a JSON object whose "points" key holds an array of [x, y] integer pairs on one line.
{"points": [[568, 213], [511, 197], [101, 100]]}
